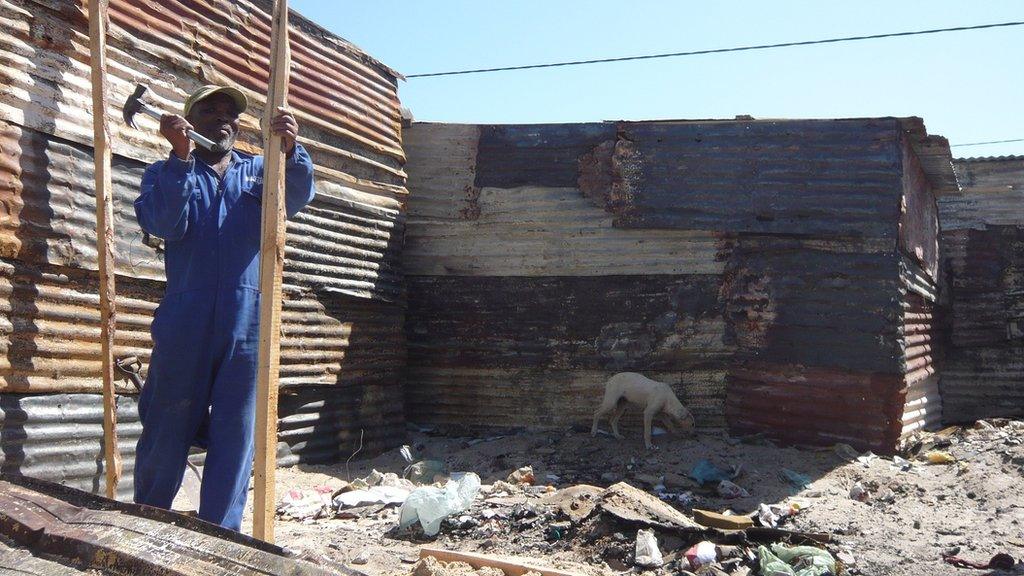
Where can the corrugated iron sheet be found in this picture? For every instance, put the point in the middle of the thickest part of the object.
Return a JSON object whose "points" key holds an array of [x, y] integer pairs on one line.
{"points": [[49, 333], [346, 102], [983, 246], [921, 344], [59, 437], [753, 265], [343, 347]]}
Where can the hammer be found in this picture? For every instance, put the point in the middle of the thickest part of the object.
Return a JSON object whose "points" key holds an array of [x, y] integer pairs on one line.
{"points": [[135, 104]]}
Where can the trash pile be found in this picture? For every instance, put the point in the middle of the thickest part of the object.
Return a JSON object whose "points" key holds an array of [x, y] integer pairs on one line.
{"points": [[621, 526], [422, 481], [714, 508]]}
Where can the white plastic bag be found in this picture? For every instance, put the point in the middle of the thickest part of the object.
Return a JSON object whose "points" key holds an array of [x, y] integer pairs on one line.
{"points": [[430, 505], [647, 553]]}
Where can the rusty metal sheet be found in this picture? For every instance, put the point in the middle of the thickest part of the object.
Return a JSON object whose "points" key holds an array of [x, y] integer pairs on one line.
{"points": [[466, 397], [820, 178], [983, 247], [806, 405], [549, 330], [919, 216], [329, 424], [59, 437], [115, 538], [49, 332], [346, 241], [933, 152], [792, 304], [920, 341], [750, 263], [457, 227], [346, 101]]}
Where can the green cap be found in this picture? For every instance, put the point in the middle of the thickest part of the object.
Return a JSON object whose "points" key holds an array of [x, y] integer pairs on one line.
{"points": [[211, 89]]}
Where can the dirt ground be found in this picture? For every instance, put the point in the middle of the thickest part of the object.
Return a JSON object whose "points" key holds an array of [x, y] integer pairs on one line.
{"points": [[971, 508]]}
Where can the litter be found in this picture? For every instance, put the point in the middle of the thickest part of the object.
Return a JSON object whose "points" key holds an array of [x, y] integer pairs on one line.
{"points": [[846, 557], [901, 464], [795, 561], [704, 472], [372, 495], [859, 493], [303, 504], [430, 505], [795, 479], [716, 520], [647, 554], [867, 458], [1001, 561], [424, 471], [939, 457], [728, 490], [846, 452], [683, 498], [701, 554], [523, 475]]}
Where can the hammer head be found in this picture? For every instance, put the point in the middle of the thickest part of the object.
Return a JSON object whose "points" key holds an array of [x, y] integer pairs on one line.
{"points": [[134, 104]]}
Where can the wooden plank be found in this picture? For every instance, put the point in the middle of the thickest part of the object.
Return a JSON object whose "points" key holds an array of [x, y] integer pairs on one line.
{"points": [[104, 237], [271, 264], [477, 561], [72, 527]]}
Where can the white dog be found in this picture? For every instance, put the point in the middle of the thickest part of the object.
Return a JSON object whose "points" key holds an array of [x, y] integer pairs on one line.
{"points": [[655, 397]]}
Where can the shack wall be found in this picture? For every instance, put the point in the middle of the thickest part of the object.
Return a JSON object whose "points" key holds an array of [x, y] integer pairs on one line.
{"points": [[753, 265], [983, 246], [343, 344]]}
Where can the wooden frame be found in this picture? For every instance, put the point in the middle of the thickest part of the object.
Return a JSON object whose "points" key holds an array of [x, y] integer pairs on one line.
{"points": [[271, 264], [104, 238]]}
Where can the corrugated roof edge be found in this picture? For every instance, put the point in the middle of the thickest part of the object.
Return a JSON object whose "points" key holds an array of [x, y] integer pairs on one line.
{"points": [[310, 27], [1006, 158], [932, 150]]}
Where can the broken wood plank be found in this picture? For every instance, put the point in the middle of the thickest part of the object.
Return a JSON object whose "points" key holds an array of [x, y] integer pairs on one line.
{"points": [[715, 520], [510, 567], [77, 528], [104, 237], [271, 265]]}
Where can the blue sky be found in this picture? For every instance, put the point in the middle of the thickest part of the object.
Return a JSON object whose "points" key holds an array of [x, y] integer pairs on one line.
{"points": [[968, 86]]}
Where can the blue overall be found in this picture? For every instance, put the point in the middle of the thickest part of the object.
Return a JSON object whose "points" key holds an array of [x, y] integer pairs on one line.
{"points": [[200, 389]]}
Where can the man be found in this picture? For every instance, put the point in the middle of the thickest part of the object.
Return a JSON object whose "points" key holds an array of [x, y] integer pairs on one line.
{"points": [[201, 384]]}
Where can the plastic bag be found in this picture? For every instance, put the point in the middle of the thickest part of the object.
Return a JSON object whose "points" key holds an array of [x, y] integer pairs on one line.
{"points": [[795, 479], [729, 490], [430, 505], [647, 553], [795, 561], [704, 472], [701, 554]]}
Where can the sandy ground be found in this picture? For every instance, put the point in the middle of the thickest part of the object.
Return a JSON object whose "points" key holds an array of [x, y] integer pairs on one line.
{"points": [[972, 508]]}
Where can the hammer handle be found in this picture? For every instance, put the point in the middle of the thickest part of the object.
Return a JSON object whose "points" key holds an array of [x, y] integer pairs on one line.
{"points": [[192, 134]]}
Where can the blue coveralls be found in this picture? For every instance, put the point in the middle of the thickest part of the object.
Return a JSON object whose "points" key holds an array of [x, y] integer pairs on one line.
{"points": [[201, 384]]}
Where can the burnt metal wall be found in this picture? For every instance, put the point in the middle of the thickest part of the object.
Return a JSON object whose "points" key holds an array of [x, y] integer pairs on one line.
{"points": [[754, 265], [343, 344], [983, 246]]}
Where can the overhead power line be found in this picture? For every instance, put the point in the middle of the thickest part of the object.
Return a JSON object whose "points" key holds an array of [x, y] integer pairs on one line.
{"points": [[989, 142], [720, 50]]}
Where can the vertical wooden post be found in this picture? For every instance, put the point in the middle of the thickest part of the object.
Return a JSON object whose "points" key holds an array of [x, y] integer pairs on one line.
{"points": [[271, 263], [104, 236]]}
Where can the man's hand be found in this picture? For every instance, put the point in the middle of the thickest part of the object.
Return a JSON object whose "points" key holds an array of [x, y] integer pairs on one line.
{"points": [[285, 126], [175, 129]]}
